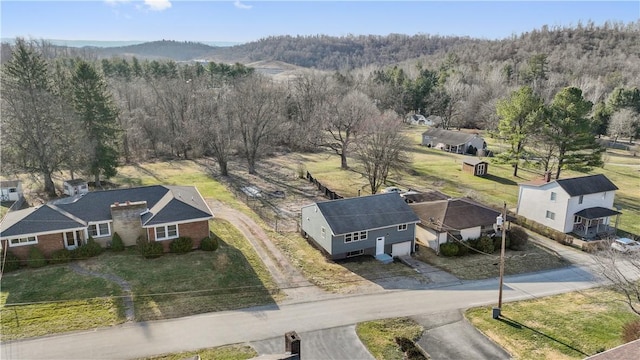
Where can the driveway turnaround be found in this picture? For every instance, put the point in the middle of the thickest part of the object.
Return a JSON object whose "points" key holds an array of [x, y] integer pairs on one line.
{"points": [[133, 340], [337, 343], [448, 335]]}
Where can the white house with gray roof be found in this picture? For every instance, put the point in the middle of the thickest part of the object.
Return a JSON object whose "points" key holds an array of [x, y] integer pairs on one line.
{"points": [[453, 141], [155, 213], [367, 225], [582, 205]]}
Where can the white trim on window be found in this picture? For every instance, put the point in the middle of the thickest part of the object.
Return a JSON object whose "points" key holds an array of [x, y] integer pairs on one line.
{"points": [[323, 232], [100, 229], [355, 253], [23, 241], [402, 227], [554, 196], [355, 236], [167, 231], [581, 199], [550, 215], [577, 219]]}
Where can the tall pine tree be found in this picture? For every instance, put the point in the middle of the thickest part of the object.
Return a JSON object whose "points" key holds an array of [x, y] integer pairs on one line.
{"points": [[94, 107]]}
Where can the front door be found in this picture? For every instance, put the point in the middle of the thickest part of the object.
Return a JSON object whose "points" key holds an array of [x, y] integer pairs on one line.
{"points": [[380, 245], [71, 239]]}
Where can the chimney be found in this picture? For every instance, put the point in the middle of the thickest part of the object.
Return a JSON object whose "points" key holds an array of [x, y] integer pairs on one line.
{"points": [[127, 222], [547, 176], [292, 343]]}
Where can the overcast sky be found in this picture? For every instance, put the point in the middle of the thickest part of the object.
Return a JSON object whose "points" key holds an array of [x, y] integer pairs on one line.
{"points": [[243, 21]]}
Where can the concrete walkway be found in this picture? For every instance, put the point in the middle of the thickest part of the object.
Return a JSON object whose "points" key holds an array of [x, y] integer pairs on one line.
{"points": [[436, 276]]}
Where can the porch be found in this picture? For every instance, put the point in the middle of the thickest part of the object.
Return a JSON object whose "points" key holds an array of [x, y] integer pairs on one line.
{"points": [[594, 223]]}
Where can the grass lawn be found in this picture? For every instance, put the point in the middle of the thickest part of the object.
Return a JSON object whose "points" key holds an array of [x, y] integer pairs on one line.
{"points": [[231, 352], [174, 285], [479, 266], [379, 336], [53, 299], [568, 326]]}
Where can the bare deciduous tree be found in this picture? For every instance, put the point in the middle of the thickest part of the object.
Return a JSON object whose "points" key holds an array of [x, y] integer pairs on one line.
{"points": [[346, 118], [216, 127], [256, 104], [622, 271], [383, 149], [623, 123]]}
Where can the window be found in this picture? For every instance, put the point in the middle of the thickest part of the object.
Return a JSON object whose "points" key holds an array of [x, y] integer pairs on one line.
{"points": [[580, 199], [604, 195], [577, 219], [356, 236], [402, 227], [166, 232], [30, 240], [12, 190], [550, 215], [355, 253], [323, 232], [99, 230], [553, 196], [481, 169]]}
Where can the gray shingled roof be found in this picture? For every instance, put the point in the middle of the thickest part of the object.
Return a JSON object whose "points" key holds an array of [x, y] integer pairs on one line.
{"points": [[597, 212], [169, 204], [75, 182], [36, 220], [429, 195], [366, 212], [447, 136], [473, 161], [586, 185], [455, 214]]}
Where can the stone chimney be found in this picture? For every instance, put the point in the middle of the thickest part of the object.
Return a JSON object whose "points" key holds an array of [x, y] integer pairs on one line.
{"points": [[127, 222], [547, 176]]}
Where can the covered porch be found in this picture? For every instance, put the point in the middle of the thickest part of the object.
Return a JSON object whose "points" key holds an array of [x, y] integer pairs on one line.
{"points": [[595, 223]]}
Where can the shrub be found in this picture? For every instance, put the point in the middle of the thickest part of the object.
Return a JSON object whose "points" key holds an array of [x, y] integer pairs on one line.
{"points": [[116, 242], [36, 258], [11, 262], [404, 343], [449, 249], [60, 256], [463, 249], [415, 354], [485, 244], [181, 245], [497, 243], [518, 238], [631, 331], [209, 243], [473, 243], [88, 250], [149, 249]]}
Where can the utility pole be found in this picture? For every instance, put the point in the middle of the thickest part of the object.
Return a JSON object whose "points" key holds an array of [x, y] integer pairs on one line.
{"points": [[500, 221]]}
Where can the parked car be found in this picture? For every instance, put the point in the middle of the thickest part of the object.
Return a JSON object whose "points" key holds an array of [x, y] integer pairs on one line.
{"points": [[625, 245], [391, 189]]}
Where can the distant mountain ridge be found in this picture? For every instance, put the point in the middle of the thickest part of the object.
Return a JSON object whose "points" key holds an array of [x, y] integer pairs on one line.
{"points": [[114, 43]]}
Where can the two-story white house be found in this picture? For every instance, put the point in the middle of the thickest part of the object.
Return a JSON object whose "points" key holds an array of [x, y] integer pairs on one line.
{"points": [[582, 205]]}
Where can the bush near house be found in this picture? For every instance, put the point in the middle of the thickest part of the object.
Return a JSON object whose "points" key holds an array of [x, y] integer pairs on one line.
{"points": [[518, 238], [149, 249], [11, 262], [181, 245], [36, 258], [497, 243], [545, 231], [449, 249], [88, 250], [60, 256], [485, 244], [116, 242], [209, 243]]}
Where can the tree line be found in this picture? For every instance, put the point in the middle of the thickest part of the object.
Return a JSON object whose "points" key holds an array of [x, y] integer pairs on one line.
{"points": [[87, 115]]}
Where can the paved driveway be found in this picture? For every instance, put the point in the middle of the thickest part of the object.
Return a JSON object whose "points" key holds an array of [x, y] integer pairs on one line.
{"points": [[337, 343], [448, 335]]}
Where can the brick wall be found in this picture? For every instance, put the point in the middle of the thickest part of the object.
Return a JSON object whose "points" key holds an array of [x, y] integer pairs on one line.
{"points": [[195, 230], [46, 243]]}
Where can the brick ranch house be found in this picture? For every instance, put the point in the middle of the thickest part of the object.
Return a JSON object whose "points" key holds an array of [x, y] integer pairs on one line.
{"points": [[156, 213]]}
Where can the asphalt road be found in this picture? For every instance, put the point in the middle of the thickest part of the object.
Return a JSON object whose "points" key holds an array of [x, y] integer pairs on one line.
{"points": [[250, 325]]}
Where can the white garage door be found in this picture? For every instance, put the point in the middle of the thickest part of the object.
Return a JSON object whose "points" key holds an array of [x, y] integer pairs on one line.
{"points": [[401, 249]]}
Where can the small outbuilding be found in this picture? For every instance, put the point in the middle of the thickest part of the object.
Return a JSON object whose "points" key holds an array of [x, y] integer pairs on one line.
{"points": [[75, 187], [474, 166], [10, 190]]}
